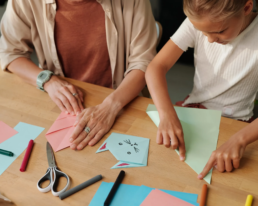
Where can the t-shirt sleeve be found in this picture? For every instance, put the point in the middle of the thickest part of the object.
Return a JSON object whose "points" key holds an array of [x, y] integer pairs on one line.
{"points": [[185, 36]]}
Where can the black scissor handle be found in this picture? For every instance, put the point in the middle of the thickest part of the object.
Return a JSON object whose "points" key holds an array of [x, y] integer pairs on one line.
{"points": [[46, 177]]}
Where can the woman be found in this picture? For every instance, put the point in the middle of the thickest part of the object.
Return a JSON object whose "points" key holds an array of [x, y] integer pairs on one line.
{"points": [[105, 42]]}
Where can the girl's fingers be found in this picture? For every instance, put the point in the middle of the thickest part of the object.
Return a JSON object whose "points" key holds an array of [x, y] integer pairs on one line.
{"points": [[236, 163], [207, 167], [159, 138], [174, 141], [228, 164], [181, 146], [220, 163], [166, 140]]}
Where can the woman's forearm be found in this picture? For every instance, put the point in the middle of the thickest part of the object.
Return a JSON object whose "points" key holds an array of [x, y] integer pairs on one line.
{"points": [[130, 88], [25, 69]]}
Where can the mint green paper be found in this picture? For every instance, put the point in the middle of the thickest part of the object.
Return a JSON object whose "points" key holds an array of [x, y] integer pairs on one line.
{"points": [[201, 131], [18, 143]]}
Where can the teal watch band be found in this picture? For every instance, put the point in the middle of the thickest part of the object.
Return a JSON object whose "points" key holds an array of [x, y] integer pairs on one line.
{"points": [[42, 78]]}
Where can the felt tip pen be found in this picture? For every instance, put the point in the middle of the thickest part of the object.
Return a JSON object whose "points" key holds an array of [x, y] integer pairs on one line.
{"points": [[114, 188], [7, 153], [249, 200]]}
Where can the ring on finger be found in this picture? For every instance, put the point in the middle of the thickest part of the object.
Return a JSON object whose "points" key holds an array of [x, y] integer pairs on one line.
{"points": [[74, 94], [87, 130]]}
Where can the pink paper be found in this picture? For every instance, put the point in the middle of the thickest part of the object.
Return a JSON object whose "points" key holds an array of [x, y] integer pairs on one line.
{"points": [[6, 132], [60, 132], [157, 197]]}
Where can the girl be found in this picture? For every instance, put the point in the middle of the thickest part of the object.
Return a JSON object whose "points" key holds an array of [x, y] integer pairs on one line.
{"points": [[223, 33]]}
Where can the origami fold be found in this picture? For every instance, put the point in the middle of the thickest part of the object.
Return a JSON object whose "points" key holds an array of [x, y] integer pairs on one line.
{"points": [[201, 131], [60, 132], [131, 151]]}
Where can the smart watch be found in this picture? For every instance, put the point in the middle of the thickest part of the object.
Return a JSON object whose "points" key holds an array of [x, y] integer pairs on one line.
{"points": [[42, 78]]}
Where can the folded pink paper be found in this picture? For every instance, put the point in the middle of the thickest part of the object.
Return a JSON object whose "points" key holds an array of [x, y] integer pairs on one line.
{"points": [[157, 197], [6, 132], [60, 132]]}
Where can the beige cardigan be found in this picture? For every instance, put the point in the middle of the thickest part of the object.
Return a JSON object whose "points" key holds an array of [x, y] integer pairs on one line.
{"points": [[130, 32]]}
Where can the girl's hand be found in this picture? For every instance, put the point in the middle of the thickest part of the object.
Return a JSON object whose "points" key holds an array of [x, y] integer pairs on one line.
{"points": [[61, 92], [227, 157], [99, 119], [170, 133]]}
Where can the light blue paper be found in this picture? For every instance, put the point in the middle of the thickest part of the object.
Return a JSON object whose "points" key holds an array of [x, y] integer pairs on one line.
{"points": [[125, 165], [122, 197], [130, 195], [18, 143], [131, 151]]}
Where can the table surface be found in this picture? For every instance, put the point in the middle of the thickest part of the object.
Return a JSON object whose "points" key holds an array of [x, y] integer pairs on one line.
{"points": [[20, 102]]}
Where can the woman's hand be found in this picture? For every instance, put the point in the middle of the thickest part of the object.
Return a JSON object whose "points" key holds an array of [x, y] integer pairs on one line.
{"points": [[227, 157], [67, 97], [170, 133], [99, 119]]}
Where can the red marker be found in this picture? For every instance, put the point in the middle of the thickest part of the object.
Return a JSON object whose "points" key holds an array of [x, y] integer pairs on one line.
{"points": [[26, 156]]}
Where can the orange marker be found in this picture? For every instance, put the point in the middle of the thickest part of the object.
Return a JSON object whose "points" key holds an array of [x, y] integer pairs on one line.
{"points": [[203, 195]]}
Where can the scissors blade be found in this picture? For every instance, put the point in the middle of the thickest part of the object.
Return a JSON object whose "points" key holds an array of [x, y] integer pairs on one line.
{"points": [[50, 156]]}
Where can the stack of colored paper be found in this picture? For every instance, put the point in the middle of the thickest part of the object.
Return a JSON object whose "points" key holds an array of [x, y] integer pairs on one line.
{"points": [[131, 151], [201, 131], [131, 195], [16, 141]]}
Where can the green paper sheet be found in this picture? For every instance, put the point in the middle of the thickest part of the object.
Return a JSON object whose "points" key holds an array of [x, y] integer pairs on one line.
{"points": [[201, 131]]}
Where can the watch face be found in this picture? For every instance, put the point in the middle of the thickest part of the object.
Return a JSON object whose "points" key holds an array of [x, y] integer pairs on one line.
{"points": [[42, 76]]}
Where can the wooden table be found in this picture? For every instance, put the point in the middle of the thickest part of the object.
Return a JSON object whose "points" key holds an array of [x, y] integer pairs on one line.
{"points": [[20, 102]]}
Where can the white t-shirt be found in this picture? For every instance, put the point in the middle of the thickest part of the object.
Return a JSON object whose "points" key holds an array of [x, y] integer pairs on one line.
{"points": [[226, 76]]}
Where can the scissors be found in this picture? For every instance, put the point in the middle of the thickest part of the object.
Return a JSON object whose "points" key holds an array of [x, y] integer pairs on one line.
{"points": [[53, 175]]}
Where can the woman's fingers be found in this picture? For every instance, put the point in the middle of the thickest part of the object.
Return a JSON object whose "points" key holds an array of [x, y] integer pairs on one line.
{"points": [[97, 137], [69, 92], [81, 95], [80, 127], [65, 102], [59, 104], [78, 140]]}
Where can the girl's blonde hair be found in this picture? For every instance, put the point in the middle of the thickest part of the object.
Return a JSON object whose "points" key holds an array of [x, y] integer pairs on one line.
{"points": [[216, 9]]}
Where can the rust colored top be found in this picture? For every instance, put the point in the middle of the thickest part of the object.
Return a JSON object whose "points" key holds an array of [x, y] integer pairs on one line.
{"points": [[80, 38]]}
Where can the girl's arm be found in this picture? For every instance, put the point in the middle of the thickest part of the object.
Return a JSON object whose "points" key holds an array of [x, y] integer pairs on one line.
{"points": [[228, 156], [170, 131]]}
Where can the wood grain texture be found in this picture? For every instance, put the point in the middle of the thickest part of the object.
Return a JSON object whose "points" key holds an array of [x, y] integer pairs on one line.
{"points": [[20, 102]]}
